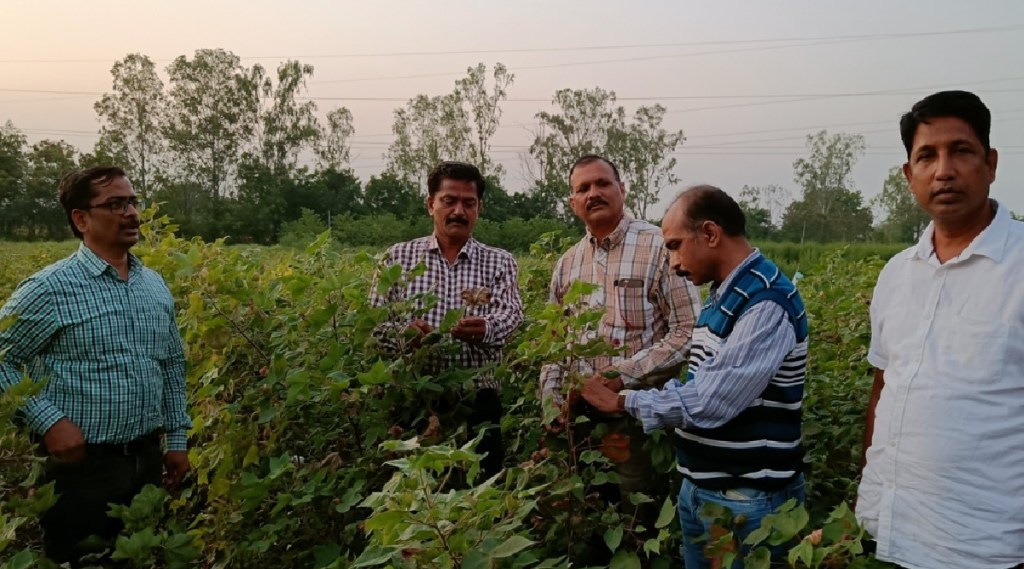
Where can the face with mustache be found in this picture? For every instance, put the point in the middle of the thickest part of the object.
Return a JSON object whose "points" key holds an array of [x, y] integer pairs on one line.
{"points": [[949, 172], [455, 208], [104, 230], [597, 196]]}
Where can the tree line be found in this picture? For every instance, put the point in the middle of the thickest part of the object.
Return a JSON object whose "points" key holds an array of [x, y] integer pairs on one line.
{"points": [[242, 152]]}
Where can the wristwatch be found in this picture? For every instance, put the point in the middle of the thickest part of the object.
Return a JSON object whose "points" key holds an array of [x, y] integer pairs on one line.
{"points": [[620, 405]]}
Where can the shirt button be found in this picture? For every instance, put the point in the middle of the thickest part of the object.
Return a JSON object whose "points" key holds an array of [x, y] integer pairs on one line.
{"points": [[892, 443]]}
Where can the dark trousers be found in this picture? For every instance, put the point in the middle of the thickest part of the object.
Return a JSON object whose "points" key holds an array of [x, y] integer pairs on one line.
{"points": [[487, 410], [107, 474]]}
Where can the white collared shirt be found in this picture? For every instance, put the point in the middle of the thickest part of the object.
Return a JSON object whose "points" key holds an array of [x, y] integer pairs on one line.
{"points": [[944, 481]]}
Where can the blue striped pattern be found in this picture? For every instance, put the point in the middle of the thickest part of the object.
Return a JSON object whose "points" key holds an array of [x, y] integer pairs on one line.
{"points": [[109, 350], [761, 445], [737, 416]]}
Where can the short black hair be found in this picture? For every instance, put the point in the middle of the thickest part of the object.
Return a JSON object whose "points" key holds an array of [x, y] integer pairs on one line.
{"points": [[462, 171], [963, 105], [589, 158], [710, 203], [77, 188]]}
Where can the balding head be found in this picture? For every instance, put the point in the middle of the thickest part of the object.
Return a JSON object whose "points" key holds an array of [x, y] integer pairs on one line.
{"points": [[704, 202]]}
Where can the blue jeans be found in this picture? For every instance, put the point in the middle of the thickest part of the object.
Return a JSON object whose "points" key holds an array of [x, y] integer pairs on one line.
{"points": [[754, 504]]}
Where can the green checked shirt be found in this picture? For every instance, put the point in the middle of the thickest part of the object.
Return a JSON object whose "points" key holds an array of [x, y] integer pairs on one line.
{"points": [[108, 349]]}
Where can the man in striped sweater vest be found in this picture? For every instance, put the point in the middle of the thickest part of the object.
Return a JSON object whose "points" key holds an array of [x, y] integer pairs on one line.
{"points": [[737, 414]]}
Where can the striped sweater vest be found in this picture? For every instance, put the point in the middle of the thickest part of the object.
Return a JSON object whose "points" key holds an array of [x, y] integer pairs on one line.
{"points": [[761, 447]]}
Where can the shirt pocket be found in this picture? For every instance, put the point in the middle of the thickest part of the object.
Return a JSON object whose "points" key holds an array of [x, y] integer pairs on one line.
{"points": [[632, 307], [974, 350], [154, 329]]}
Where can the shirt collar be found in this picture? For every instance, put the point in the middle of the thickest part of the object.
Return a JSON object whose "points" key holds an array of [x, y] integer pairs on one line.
{"points": [[991, 242], [732, 275], [95, 266], [615, 238], [468, 250]]}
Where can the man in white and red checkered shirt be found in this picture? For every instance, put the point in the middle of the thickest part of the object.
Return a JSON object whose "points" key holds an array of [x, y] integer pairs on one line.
{"points": [[648, 311], [462, 273]]}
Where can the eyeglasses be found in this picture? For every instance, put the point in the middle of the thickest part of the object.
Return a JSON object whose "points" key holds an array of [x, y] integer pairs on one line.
{"points": [[118, 206]]}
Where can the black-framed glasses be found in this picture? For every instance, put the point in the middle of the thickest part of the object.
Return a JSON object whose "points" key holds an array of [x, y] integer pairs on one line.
{"points": [[118, 206]]}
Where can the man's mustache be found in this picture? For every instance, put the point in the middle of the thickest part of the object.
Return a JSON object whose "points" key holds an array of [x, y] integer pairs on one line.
{"points": [[459, 220], [595, 202]]}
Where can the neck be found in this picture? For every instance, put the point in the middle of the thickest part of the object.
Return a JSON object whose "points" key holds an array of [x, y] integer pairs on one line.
{"points": [[951, 238], [116, 256], [604, 230], [450, 247], [732, 256]]}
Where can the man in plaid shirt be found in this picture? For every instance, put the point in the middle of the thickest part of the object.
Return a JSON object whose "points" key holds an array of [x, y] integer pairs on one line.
{"points": [[462, 273], [99, 328], [648, 311]]}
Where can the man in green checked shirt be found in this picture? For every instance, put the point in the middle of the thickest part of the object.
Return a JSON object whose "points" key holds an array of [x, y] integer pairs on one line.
{"points": [[99, 328]]}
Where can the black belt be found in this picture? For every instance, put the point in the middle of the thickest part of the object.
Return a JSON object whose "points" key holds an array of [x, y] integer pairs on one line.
{"points": [[137, 446]]}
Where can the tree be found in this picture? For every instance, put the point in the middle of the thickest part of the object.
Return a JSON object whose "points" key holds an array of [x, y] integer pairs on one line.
{"points": [[427, 131], [130, 118], [485, 111], [211, 117], [388, 193], [642, 151], [333, 150], [903, 218], [764, 207], [284, 127], [830, 209], [12, 174], [37, 206], [581, 124]]}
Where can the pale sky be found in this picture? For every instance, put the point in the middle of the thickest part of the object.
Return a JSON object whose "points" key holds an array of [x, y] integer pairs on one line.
{"points": [[746, 81]]}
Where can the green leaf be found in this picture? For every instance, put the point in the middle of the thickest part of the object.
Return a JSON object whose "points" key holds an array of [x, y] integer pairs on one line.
{"points": [[386, 519], [625, 560], [372, 556], [667, 514], [324, 555], [21, 560], [758, 558], [804, 552], [759, 535], [652, 545], [377, 375], [637, 498], [511, 546], [613, 538]]}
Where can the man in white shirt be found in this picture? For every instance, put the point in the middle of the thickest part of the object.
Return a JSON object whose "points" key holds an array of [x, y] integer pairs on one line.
{"points": [[943, 483]]}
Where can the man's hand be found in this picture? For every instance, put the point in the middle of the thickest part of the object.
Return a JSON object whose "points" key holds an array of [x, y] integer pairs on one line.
{"points": [[470, 329], [175, 466], [600, 395], [418, 328], [65, 441], [421, 326], [615, 384]]}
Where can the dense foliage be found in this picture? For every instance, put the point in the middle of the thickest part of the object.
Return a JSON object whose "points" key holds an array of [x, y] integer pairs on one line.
{"points": [[311, 448]]}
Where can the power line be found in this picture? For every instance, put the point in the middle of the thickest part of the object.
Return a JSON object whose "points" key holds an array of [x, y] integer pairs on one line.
{"points": [[824, 41], [860, 37]]}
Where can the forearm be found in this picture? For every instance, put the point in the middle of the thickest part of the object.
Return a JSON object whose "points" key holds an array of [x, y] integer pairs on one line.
{"points": [[551, 382], [660, 361], [680, 303], [659, 408]]}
